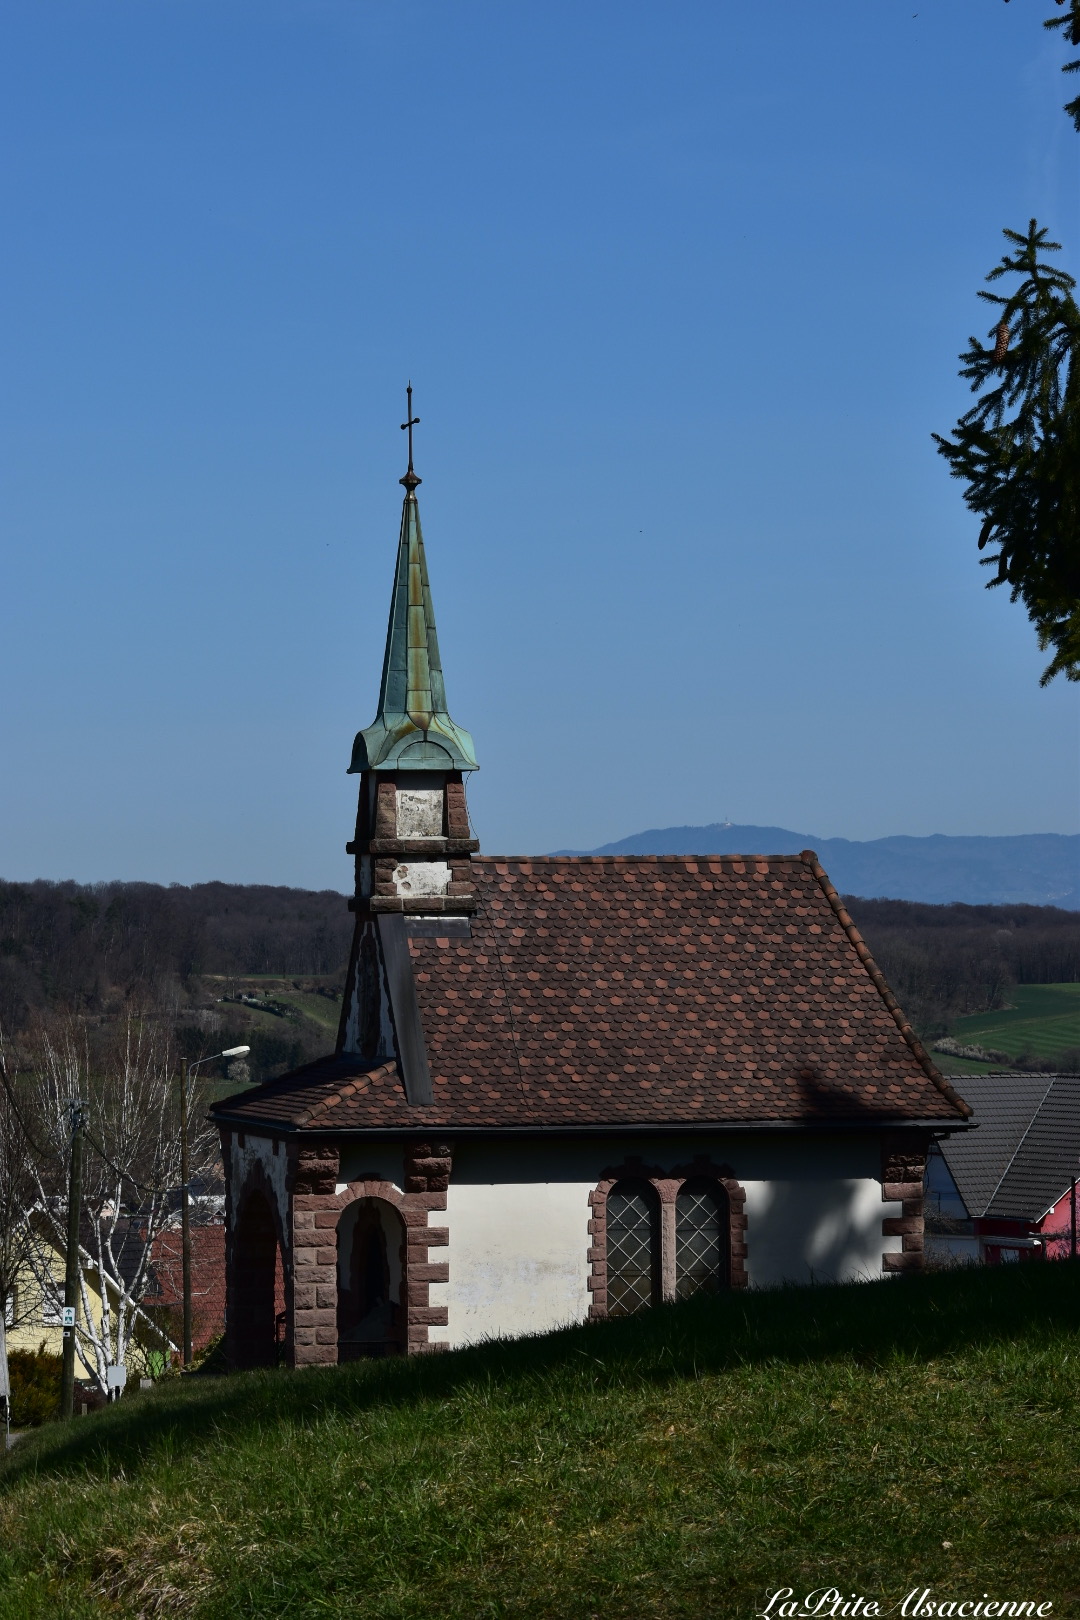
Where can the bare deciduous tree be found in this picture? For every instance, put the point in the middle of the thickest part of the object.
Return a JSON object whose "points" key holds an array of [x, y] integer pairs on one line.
{"points": [[16, 1196], [131, 1177]]}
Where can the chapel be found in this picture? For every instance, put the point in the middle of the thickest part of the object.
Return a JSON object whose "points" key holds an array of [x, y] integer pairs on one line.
{"points": [[566, 1086]]}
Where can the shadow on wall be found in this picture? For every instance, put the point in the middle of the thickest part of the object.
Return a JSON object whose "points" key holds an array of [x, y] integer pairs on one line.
{"points": [[806, 1231], [914, 1316]]}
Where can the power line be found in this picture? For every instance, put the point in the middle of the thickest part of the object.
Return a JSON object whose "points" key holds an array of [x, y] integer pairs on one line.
{"points": [[41, 1152], [50, 1153]]}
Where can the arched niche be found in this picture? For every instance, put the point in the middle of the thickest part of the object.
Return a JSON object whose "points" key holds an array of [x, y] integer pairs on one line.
{"points": [[370, 1280]]}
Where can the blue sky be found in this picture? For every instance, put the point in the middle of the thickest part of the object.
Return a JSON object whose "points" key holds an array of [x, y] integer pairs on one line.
{"points": [[680, 288]]}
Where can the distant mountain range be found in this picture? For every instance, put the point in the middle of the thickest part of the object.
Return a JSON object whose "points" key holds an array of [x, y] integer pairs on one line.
{"points": [[1034, 869]]}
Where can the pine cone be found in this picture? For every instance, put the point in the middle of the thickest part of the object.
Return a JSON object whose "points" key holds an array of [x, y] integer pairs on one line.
{"points": [[1002, 344]]}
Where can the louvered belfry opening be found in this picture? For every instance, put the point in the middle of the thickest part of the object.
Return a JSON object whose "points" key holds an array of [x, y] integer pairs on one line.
{"points": [[701, 1239], [633, 1248]]}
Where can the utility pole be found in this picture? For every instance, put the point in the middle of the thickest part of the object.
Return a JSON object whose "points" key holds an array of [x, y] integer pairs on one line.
{"points": [[185, 1211], [71, 1274]]}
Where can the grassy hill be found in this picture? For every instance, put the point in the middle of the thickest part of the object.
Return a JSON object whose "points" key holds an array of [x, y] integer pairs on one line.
{"points": [[1042, 1020], [876, 1437]]}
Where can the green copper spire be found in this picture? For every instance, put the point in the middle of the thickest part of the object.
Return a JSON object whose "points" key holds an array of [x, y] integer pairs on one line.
{"points": [[412, 730]]}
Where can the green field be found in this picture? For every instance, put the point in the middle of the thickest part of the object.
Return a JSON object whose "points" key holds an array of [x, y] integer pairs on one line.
{"points": [[318, 1009], [954, 1066], [1043, 1020], [674, 1466], [291, 1022]]}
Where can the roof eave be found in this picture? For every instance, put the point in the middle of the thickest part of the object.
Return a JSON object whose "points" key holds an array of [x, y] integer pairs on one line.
{"points": [[887, 1122]]}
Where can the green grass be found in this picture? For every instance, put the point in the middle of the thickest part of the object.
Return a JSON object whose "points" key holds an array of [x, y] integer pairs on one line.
{"points": [[1044, 1019], [319, 1009], [957, 1066], [876, 1436]]}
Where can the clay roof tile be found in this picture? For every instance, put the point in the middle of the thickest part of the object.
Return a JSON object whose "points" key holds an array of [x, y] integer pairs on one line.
{"points": [[620, 1048]]}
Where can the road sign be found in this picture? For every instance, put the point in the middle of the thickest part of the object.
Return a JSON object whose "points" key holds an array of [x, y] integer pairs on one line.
{"points": [[67, 1316], [116, 1377]]}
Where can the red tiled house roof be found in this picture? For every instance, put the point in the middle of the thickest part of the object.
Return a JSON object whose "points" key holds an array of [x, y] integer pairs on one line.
{"points": [[636, 991]]}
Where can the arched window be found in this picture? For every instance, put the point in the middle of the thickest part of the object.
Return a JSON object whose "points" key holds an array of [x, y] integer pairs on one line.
{"points": [[701, 1238], [633, 1248], [371, 1247]]}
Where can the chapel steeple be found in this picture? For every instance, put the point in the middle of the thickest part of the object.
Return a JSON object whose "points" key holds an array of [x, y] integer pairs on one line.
{"points": [[413, 842], [412, 730]]}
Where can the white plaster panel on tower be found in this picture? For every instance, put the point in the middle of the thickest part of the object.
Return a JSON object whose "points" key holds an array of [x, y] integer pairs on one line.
{"points": [[422, 877], [518, 1258], [419, 812]]}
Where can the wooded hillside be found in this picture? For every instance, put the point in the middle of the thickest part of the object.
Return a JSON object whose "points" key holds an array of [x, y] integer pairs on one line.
{"points": [[198, 957], [266, 965], [944, 961]]}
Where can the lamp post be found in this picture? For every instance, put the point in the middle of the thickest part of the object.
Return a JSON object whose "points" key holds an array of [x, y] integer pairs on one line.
{"points": [[187, 1069]]}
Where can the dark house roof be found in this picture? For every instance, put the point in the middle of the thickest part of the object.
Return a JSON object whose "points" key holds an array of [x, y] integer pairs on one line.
{"points": [[636, 991], [1027, 1147]]}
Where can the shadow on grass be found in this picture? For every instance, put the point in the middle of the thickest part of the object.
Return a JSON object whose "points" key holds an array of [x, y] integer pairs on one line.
{"points": [[868, 1323]]}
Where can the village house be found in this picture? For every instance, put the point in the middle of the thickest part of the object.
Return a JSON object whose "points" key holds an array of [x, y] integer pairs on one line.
{"points": [[564, 1087], [165, 1282], [33, 1318], [1007, 1191]]}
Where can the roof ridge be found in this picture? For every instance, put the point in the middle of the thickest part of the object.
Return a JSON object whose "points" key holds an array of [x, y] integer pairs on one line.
{"points": [[933, 1073], [794, 857], [1020, 1143], [384, 1067]]}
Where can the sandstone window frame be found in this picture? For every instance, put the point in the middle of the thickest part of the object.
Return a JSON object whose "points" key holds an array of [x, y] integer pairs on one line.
{"points": [[666, 1183], [316, 1206]]}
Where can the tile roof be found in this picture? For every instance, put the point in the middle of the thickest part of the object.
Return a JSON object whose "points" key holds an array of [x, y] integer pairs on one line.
{"points": [[637, 990], [1027, 1147]]}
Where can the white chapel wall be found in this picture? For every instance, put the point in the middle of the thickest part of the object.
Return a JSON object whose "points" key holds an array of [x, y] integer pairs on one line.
{"points": [[518, 1218], [518, 1214]]}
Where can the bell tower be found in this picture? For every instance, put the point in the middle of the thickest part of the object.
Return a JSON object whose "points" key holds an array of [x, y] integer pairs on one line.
{"points": [[413, 842]]}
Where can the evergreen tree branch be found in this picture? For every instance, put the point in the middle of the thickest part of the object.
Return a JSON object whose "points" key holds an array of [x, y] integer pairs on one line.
{"points": [[1018, 447], [1070, 22]]}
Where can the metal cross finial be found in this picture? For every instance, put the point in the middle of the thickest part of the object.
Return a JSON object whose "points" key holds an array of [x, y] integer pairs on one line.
{"points": [[407, 427]]}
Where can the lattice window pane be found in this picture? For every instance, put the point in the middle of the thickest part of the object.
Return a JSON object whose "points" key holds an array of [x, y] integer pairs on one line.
{"points": [[700, 1242], [632, 1233]]}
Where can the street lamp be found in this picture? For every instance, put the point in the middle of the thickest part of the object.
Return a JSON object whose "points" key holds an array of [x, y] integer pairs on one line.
{"points": [[187, 1069]]}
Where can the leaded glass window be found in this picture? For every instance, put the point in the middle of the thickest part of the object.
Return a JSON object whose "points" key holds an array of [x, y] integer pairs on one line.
{"points": [[701, 1239], [633, 1248]]}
